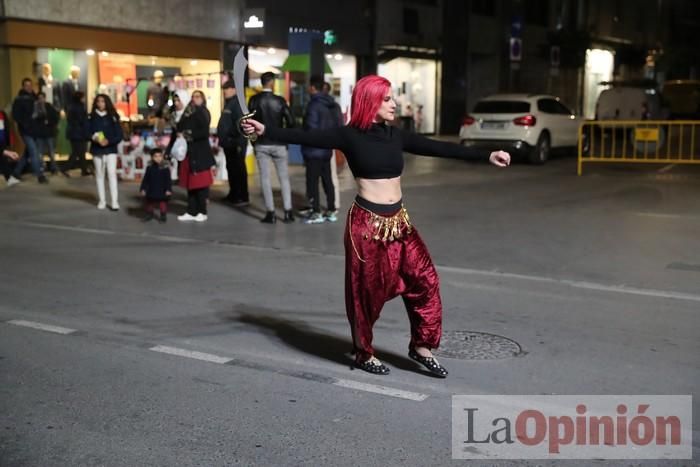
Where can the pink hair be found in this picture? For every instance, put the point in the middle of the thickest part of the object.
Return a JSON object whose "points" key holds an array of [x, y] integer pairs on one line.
{"points": [[367, 97]]}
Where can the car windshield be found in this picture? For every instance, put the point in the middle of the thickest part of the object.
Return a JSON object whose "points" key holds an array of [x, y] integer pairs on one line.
{"points": [[502, 107]]}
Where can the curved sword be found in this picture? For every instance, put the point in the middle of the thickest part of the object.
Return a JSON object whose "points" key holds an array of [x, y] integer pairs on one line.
{"points": [[239, 65]]}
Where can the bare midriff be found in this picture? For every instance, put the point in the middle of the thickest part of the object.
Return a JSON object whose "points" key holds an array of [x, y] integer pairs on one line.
{"points": [[380, 191]]}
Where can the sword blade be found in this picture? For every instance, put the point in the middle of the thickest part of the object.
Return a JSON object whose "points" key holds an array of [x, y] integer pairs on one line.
{"points": [[239, 65]]}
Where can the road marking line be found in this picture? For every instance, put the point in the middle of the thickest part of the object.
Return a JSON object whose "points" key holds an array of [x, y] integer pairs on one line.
{"points": [[572, 283], [207, 357], [69, 228], [41, 326], [578, 284], [386, 391]]}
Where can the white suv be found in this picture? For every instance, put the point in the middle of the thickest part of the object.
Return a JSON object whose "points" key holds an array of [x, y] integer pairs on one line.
{"points": [[527, 124]]}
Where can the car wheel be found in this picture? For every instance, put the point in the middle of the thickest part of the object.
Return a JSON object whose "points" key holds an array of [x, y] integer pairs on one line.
{"points": [[540, 153]]}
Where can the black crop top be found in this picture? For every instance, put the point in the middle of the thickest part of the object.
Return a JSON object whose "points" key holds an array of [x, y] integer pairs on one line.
{"points": [[377, 152]]}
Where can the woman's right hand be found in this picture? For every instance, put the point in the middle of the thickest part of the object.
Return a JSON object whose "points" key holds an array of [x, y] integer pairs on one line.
{"points": [[10, 154], [251, 126]]}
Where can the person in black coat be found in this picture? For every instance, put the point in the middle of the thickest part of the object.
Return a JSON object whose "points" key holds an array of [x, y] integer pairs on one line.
{"points": [[46, 122], [8, 158], [234, 145], [77, 133], [156, 186], [22, 112], [321, 113], [106, 134], [194, 173]]}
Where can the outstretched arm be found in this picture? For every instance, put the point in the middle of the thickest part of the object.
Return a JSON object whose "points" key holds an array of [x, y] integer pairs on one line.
{"points": [[331, 138], [419, 144]]}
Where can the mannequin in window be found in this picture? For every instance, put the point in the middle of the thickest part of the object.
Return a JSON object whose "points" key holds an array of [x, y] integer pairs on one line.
{"points": [[71, 86], [51, 89], [155, 99]]}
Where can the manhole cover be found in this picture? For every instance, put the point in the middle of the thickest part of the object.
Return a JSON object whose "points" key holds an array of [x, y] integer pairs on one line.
{"points": [[472, 345]]}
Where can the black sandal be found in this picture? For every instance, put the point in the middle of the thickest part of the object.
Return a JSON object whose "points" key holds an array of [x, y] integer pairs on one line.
{"points": [[430, 363], [373, 366]]}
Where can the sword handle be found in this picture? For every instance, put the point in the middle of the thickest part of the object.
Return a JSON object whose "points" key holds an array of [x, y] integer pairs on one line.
{"points": [[251, 137]]}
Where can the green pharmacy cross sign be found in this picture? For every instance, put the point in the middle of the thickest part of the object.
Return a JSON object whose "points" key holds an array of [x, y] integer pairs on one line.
{"points": [[329, 37]]}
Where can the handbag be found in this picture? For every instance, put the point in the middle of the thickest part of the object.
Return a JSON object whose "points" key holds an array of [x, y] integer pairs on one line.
{"points": [[179, 150]]}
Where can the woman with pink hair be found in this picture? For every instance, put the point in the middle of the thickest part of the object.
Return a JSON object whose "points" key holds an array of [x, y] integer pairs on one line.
{"points": [[384, 255]]}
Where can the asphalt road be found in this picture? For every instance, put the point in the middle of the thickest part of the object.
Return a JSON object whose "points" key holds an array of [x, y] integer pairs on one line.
{"points": [[226, 343]]}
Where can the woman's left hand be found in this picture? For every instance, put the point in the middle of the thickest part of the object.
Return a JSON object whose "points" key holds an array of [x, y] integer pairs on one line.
{"points": [[104, 142], [500, 158]]}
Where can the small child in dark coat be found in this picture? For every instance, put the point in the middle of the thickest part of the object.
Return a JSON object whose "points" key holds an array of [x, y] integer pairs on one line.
{"points": [[156, 186]]}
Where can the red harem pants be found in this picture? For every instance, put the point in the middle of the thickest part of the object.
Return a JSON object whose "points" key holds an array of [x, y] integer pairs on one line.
{"points": [[377, 271]]}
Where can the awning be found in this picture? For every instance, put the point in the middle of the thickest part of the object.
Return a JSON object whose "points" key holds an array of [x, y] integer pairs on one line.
{"points": [[301, 62]]}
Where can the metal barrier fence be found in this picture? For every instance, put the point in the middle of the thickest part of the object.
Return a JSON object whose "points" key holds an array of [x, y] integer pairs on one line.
{"points": [[643, 141]]}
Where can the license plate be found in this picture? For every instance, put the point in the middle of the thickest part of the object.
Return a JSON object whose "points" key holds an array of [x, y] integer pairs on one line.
{"points": [[493, 125]]}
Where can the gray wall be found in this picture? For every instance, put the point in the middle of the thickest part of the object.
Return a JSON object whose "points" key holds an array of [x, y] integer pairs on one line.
{"points": [[216, 19]]}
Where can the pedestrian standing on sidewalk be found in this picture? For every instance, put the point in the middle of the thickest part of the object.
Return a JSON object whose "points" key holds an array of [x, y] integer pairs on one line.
{"points": [[385, 256], [320, 115], [274, 112], [8, 158], [46, 121], [77, 132], [234, 145], [194, 172], [106, 133], [156, 187], [22, 111]]}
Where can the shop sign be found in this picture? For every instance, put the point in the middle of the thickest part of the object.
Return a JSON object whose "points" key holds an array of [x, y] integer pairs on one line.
{"points": [[254, 21]]}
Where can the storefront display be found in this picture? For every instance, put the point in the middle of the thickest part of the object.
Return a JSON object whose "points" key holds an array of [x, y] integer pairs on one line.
{"points": [[415, 90]]}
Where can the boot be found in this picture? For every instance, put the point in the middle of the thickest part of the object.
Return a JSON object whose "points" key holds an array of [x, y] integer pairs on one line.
{"points": [[269, 218], [288, 217]]}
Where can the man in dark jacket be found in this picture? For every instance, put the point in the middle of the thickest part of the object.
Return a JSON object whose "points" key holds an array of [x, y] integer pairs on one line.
{"points": [[22, 112], [234, 145], [77, 133], [271, 109], [321, 113], [46, 121]]}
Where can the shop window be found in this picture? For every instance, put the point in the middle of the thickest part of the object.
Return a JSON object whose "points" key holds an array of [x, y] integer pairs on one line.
{"points": [[410, 21]]}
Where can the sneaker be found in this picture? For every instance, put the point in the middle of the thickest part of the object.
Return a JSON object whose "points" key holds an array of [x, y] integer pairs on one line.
{"points": [[114, 207], [306, 212], [186, 217], [163, 218], [331, 216], [42, 179], [12, 181], [148, 217], [101, 206], [241, 204], [315, 218], [201, 217]]}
